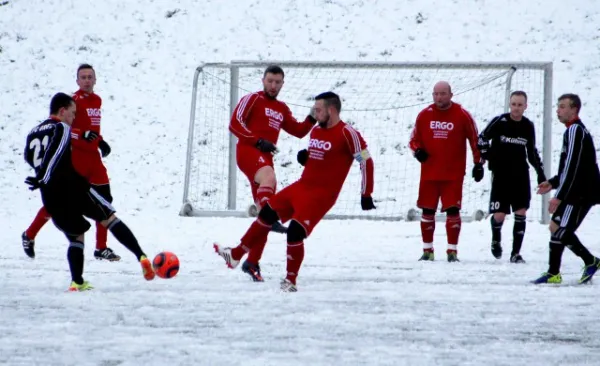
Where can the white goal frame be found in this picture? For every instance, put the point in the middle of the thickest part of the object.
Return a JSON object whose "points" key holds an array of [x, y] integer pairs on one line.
{"points": [[234, 94]]}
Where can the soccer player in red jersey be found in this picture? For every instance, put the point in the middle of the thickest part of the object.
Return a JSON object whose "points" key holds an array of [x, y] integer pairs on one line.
{"points": [[257, 121], [438, 141], [332, 148], [86, 140]]}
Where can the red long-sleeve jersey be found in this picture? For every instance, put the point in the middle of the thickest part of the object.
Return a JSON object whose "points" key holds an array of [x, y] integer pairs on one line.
{"points": [[258, 117], [330, 155], [443, 135], [87, 118]]}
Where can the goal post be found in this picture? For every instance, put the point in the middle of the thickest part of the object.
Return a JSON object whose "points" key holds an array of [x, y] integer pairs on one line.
{"points": [[381, 100]]}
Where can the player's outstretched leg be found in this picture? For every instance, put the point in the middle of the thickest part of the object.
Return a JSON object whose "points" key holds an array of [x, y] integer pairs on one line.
{"points": [[75, 257], [295, 255], [103, 252], [124, 235], [591, 263], [28, 236], [496, 222], [427, 230], [554, 260]]}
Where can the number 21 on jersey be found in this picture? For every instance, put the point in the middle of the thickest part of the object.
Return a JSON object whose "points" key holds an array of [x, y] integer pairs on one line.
{"points": [[39, 149]]}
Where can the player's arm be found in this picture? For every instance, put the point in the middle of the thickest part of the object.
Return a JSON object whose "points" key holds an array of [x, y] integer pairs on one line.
{"points": [[416, 143], [534, 156], [472, 136], [238, 124], [58, 144], [486, 136], [293, 127], [572, 161], [360, 153]]}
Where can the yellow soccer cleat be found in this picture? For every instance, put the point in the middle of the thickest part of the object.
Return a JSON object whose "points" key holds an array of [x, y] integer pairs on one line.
{"points": [[147, 268], [75, 287]]}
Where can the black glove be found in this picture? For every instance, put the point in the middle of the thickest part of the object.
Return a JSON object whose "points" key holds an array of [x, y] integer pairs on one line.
{"points": [[90, 135], [366, 203], [266, 146], [421, 155], [478, 172], [302, 157], [104, 148], [33, 183]]}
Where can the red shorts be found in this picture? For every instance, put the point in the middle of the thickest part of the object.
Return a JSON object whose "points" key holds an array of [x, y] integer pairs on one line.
{"points": [[89, 165], [431, 191], [250, 160], [304, 204]]}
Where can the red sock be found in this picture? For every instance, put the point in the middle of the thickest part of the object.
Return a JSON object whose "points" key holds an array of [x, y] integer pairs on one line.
{"points": [[453, 231], [263, 194], [256, 252], [427, 229], [101, 236], [295, 255], [257, 233], [40, 220]]}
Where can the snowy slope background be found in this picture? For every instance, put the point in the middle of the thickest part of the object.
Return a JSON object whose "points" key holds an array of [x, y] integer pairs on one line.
{"points": [[364, 299]]}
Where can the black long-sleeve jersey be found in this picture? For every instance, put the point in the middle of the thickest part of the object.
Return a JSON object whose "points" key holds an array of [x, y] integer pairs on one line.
{"points": [[578, 178], [48, 152], [509, 144]]}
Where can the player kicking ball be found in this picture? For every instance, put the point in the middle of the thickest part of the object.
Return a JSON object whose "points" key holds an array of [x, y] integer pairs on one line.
{"points": [[332, 148]]}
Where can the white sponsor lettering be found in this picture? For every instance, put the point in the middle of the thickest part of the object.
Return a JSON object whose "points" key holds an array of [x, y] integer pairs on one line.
{"points": [[438, 125], [94, 112], [274, 114], [319, 144], [513, 140]]}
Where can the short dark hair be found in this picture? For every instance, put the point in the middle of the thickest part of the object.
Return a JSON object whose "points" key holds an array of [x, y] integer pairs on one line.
{"points": [[331, 99], [85, 67], [519, 93], [274, 69], [574, 100], [60, 100]]}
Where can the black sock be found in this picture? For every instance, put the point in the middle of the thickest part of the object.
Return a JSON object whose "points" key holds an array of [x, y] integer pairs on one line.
{"points": [[122, 233], [518, 233], [75, 258], [575, 245], [496, 229], [556, 251]]}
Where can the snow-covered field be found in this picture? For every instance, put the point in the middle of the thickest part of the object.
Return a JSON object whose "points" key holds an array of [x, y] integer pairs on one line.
{"points": [[363, 298]]}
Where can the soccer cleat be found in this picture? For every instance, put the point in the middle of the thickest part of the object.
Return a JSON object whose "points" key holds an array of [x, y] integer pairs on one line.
{"points": [[589, 271], [453, 257], [516, 258], [427, 256], [106, 254], [279, 228], [75, 287], [497, 249], [225, 253], [288, 286], [548, 278], [147, 268], [253, 270], [28, 245]]}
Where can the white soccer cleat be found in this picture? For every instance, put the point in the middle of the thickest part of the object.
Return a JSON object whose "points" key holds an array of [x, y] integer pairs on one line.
{"points": [[288, 286], [225, 253]]}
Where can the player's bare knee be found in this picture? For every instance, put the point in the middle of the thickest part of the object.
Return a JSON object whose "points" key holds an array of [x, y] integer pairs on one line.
{"points": [[296, 232], [522, 212], [108, 221], [265, 177], [453, 211], [499, 217], [268, 215], [76, 238], [553, 227]]}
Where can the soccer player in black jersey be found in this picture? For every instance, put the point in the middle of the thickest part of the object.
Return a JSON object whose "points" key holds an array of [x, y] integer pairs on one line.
{"points": [[577, 186], [507, 143], [68, 196]]}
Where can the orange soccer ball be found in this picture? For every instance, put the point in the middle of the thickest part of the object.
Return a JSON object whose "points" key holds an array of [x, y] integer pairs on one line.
{"points": [[166, 265]]}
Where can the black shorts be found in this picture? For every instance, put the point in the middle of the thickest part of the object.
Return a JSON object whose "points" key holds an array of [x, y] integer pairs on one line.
{"points": [[510, 191], [69, 208], [568, 217]]}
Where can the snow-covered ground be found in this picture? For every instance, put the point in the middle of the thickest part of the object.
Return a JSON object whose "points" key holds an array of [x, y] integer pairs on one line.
{"points": [[363, 299]]}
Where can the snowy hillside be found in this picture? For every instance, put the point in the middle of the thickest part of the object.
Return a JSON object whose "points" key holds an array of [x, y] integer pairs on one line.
{"points": [[364, 298]]}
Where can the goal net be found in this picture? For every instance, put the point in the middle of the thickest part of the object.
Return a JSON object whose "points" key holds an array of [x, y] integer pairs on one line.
{"points": [[381, 100]]}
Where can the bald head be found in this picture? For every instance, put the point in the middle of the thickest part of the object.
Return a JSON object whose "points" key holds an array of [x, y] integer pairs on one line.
{"points": [[442, 94]]}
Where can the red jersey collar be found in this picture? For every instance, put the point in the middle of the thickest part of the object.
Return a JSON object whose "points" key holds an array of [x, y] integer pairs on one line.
{"points": [[568, 124]]}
